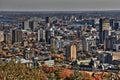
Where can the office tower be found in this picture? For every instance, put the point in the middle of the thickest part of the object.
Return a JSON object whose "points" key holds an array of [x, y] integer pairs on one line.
{"points": [[41, 35], [111, 23], [105, 34], [17, 35], [1, 26], [47, 21], [71, 52], [116, 24], [31, 25], [1, 36], [36, 25], [49, 34], [26, 25], [104, 27], [7, 37], [88, 43], [100, 30], [108, 43]]}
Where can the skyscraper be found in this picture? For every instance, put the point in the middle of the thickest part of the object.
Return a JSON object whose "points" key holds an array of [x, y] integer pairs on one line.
{"points": [[41, 35], [26, 25], [116, 25], [1, 36], [31, 25], [47, 21], [71, 52], [17, 35], [104, 26], [49, 34]]}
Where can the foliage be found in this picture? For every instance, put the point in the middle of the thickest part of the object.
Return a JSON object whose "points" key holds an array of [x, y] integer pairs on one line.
{"points": [[14, 71], [65, 73], [53, 49], [18, 71], [76, 76], [89, 54]]}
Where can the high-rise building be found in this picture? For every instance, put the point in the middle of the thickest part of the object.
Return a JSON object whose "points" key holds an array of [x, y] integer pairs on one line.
{"points": [[108, 43], [111, 23], [116, 25], [71, 52], [17, 35], [41, 35], [1, 36], [104, 26], [7, 37], [26, 25], [49, 34], [1, 26], [47, 20], [31, 24], [36, 25], [88, 43]]}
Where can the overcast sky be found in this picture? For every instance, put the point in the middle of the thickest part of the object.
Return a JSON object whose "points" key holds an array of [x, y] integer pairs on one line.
{"points": [[59, 4]]}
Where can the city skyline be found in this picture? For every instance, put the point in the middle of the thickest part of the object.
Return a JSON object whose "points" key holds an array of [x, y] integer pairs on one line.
{"points": [[58, 5]]}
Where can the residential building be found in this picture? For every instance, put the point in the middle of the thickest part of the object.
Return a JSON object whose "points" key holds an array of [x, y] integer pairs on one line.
{"points": [[71, 52]]}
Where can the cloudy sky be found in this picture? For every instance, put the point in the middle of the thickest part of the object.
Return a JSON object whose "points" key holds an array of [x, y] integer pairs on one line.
{"points": [[59, 5]]}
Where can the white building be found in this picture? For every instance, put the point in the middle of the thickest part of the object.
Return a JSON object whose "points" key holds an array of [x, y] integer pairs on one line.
{"points": [[41, 34], [26, 25], [88, 43]]}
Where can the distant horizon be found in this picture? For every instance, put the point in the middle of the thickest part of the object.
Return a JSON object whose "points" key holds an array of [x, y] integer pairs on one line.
{"points": [[63, 10]]}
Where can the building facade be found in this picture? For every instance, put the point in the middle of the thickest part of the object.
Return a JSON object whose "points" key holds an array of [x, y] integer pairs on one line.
{"points": [[71, 52]]}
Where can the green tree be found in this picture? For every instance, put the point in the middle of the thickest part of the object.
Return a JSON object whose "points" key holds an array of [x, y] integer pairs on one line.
{"points": [[53, 49], [89, 54]]}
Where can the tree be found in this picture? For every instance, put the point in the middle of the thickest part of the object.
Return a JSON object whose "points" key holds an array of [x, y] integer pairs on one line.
{"points": [[65, 73], [89, 54], [83, 56], [53, 49], [14, 71], [76, 76]]}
